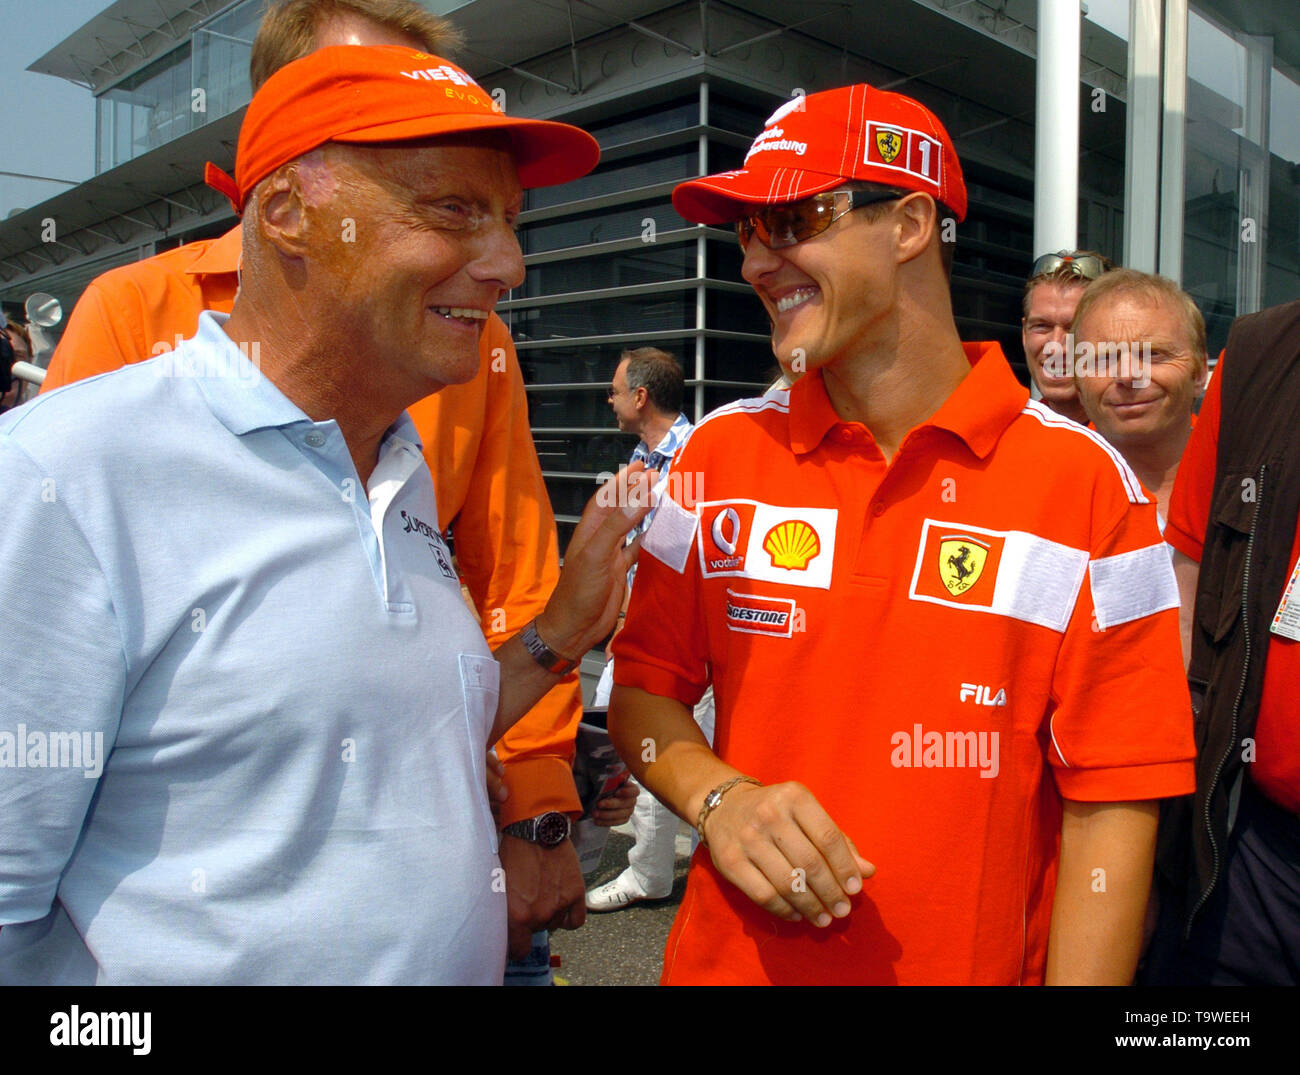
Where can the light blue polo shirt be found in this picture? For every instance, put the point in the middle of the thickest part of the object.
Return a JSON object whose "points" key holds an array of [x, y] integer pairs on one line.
{"points": [[292, 698]]}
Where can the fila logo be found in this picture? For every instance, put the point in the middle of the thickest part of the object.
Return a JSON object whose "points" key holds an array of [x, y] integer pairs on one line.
{"points": [[982, 695]]}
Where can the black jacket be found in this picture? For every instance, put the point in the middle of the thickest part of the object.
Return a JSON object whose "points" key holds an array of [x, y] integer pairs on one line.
{"points": [[1244, 568]]}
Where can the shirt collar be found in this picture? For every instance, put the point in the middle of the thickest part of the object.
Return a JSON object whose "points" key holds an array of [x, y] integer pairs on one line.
{"points": [[672, 440], [979, 409], [241, 397], [220, 256]]}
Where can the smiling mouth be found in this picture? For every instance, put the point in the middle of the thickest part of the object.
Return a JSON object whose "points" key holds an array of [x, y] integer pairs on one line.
{"points": [[464, 314], [795, 298]]}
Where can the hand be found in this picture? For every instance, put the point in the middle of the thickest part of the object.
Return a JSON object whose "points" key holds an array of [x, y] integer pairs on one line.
{"points": [[496, 784], [782, 850], [616, 808], [589, 594], [544, 890]]}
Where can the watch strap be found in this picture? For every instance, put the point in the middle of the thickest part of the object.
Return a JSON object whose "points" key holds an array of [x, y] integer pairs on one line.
{"points": [[554, 663]]}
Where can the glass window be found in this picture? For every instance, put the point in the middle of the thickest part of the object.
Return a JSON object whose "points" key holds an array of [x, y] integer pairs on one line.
{"points": [[221, 51], [626, 173], [737, 311], [645, 264], [605, 316], [601, 226], [631, 126], [148, 109], [589, 366], [585, 453], [1241, 223]]}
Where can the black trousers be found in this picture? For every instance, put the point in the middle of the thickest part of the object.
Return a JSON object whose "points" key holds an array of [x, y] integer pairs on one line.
{"points": [[1249, 932]]}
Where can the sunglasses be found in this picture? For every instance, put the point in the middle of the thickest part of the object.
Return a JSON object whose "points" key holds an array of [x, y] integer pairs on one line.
{"points": [[779, 226], [1088, 266]]}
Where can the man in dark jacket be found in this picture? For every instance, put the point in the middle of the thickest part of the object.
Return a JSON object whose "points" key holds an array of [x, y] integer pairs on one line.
{"points": [[1229, 857]]}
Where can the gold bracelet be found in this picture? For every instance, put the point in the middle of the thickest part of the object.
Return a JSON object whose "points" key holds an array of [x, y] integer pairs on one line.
{"points": [[713, 798]]}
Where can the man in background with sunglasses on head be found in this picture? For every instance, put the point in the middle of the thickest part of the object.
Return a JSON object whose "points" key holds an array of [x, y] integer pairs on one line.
{"points": [[1052, 293], [937, 604]]}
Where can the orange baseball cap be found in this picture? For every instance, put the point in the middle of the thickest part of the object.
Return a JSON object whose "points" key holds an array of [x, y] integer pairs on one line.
{"points": [[372, 93], [815, 143]]}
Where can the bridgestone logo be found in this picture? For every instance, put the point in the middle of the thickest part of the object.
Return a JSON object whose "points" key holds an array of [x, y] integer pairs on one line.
{"points": [[757, 615]]}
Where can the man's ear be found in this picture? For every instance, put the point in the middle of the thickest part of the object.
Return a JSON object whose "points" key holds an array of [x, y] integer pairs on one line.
{"points": [[283, 219], [918, 218]]}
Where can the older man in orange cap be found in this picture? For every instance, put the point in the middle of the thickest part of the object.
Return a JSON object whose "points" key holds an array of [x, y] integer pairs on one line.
{"points": [[239, 557]]}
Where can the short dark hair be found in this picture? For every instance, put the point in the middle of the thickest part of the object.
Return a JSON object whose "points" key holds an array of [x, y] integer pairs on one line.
{"points": [[879, 209], [659, 373]]}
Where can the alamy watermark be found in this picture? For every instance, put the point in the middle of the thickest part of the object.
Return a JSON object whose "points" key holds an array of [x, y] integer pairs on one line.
{"points": [[919, 749], [1128, 360], [37, 749], [172, 360]]}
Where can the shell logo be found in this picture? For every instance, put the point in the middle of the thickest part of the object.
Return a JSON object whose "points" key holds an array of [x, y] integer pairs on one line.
{"points": [[792, 544]]}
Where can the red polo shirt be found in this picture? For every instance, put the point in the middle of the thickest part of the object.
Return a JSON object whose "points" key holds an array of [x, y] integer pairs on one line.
{"points": [[1276, 768], [940, 648]]}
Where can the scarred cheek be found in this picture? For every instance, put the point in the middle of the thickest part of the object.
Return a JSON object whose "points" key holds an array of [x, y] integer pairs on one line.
{"points": [[316, 179]]}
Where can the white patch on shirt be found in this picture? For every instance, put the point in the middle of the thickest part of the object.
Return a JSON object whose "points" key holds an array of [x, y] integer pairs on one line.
{"points": [[1132, 585], [671, 534]]}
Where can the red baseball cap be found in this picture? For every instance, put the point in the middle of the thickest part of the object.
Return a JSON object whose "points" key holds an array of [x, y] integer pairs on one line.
{"points": [[373, 93], [814, 143]]}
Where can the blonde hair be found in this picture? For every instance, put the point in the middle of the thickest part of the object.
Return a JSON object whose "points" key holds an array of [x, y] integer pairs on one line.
{"points": [[1150, 287], [290, 27]]}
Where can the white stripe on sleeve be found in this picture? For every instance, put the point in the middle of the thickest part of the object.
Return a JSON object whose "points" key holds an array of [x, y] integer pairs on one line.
{"points": [[1132, 585]]}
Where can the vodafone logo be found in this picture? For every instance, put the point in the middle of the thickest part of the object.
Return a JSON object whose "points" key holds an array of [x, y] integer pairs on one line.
{"points": [[750, 539], [725, 521]]}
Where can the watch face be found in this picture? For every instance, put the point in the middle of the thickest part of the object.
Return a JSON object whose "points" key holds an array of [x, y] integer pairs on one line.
{"points": [[552, 829]]}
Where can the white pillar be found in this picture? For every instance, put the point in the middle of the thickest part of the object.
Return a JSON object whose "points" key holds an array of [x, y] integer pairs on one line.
{"points": [[701, 247], [1173, 156], [1056, 128], [1142, 151]]}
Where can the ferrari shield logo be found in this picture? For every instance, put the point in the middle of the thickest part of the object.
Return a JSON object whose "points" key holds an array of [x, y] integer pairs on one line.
{"points": [[889, 143], [961, 560]]}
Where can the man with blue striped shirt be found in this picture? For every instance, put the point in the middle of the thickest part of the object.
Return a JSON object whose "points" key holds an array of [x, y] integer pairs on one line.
{"points": [[646, 396]]}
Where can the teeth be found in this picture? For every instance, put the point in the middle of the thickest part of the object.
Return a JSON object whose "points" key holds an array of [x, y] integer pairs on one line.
{"points": [[795, 298], [461, 311]]}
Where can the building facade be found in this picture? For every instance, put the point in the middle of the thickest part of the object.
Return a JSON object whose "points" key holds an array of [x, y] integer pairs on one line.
{"points": [[1186, 161]]}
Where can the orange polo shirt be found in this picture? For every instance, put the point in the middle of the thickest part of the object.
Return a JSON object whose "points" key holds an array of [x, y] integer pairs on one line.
{"points": [[1276, 768], [477, 443], [940, 648]]}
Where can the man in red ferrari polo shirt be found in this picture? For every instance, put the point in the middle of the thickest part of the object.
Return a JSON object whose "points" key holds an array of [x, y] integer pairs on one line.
{"points": [[938, 619]]}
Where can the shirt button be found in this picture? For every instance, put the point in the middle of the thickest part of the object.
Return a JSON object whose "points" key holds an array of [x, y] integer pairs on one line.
{"points": [[877, 507], [314, 439], [845, 435]]}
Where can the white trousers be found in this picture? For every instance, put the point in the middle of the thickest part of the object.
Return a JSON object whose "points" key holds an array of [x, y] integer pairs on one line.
{"points": [[654, 826]]}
